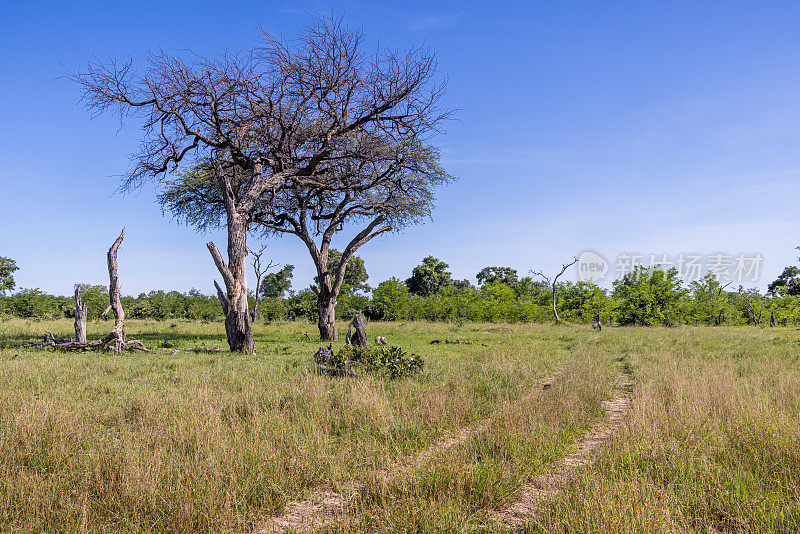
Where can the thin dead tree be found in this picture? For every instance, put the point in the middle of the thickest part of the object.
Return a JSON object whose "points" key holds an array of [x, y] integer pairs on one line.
{"points": [[117, 334], [254, 121], [553, 284], [260, 270]]}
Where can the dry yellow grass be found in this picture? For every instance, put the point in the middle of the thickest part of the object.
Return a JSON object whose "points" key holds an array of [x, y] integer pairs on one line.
{"points": [[208, 441], [710, 446]]}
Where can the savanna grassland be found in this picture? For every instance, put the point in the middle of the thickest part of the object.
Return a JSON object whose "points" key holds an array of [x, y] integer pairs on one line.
{"points": [[200, 439]]}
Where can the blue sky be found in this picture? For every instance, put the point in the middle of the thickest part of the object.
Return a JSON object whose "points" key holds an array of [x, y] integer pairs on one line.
{"points": [[649, 127]]}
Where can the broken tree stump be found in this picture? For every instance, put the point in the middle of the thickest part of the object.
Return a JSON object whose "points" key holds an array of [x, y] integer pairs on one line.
{"points": [[80, 317], [359, 336], [324, 355], [117, 334]]}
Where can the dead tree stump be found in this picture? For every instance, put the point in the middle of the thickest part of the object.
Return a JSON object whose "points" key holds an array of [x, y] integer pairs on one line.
{"points": [[359, 336], [80, 317], [324, 355], [117, 334]]}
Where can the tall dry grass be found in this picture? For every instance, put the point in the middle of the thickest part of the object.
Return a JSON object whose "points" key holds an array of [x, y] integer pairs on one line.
{"points": [[209, 441], [712, 443]]}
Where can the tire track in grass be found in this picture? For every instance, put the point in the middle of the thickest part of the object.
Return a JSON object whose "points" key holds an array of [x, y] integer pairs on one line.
{"points": [[323, 505], [547, 486]]}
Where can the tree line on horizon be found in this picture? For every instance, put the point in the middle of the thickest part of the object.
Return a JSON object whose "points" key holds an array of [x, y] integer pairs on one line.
{"points": [[645, 297]]}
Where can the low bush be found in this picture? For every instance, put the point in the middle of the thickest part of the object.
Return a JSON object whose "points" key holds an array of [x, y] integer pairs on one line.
{"points": [[392, 362]]}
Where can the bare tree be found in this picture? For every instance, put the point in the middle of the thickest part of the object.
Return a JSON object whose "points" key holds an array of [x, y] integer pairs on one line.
{"points": [[275, 114], [371, 117], [260, 270], [554, 284]]}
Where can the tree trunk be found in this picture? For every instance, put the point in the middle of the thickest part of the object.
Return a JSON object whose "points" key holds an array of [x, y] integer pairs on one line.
{"points": [[326, 305], [555, 300], [237, 318], [80, 317], [223, 300]]}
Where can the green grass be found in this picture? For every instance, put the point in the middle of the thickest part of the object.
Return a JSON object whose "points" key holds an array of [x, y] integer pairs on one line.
{"points": [[205, 440]]}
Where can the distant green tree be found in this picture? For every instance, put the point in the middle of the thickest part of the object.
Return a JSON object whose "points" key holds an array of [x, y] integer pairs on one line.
{"points": [[709, 302], [355, 274], [648, 296], [276, 285], [95, 296], [34, 303], [302, 305], [528, 286], [463, 284], [502, 275], [788, 283], [429, 277], [752, 305], [390, 300], [7, 267], [499, 302], [581, 301]]}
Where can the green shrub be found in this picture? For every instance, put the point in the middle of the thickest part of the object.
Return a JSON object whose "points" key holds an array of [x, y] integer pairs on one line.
{"points": [[393, 362]]}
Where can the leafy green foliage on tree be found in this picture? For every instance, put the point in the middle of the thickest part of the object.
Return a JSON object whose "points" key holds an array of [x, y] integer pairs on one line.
{"points": [[7, 268], [788, 283], [581, 301], [429, 277], [276, 285], [502, 275], [710, 303], [390, 300], [355, 274], [648, 296]]}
